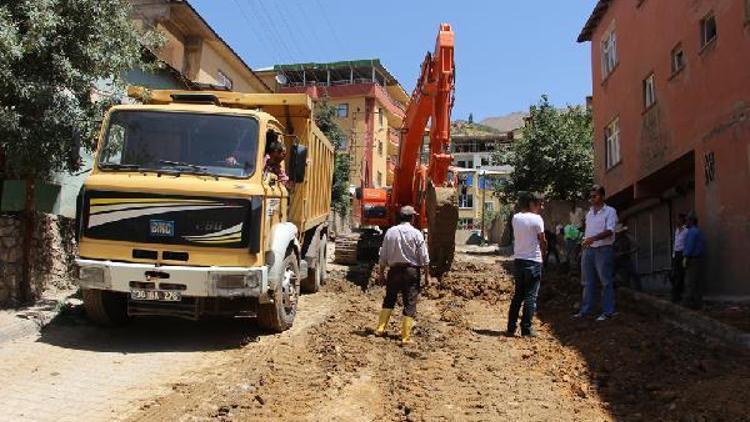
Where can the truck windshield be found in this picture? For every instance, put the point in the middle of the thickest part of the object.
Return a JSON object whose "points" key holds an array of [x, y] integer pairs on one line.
{"points": [[221, 145]]}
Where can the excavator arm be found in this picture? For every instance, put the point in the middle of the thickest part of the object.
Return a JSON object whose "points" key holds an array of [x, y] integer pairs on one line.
{"points": [[428, 187], [431, 102]]}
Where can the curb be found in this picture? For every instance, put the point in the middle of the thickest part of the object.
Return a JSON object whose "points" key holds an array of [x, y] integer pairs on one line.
{"points": [[689, 320]]}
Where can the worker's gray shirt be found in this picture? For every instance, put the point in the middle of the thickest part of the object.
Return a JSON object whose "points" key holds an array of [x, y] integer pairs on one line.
{"points": [[403, 244]]}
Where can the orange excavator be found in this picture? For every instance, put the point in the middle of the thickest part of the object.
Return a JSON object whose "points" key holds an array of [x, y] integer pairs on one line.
{"points": [[428, 187]]}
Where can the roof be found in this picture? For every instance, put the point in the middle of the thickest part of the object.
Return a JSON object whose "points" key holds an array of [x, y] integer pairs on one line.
{"points": [[221, 40], [390, 79], [596, 16]]}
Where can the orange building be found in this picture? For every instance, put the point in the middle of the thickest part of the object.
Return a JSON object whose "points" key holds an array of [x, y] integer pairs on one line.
{"points": [[671, 101]]}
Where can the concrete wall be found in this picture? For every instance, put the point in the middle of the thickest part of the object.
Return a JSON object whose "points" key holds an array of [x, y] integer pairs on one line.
{"points": [[701, 112]]}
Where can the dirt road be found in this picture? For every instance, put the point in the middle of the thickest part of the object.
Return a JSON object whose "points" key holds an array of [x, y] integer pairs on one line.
{"points": [[330, 367]]}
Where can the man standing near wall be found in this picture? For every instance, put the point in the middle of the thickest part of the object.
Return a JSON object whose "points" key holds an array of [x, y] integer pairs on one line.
{"points": [[598, 255], [693, 263], [678, 270], [529, 246]]}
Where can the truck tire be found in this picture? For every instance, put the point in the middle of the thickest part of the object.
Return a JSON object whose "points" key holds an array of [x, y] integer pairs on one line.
{"points": [[105, 308], [279, 316], [317, 276]]}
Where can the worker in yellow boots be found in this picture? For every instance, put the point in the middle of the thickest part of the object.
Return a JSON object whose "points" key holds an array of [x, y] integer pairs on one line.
{"points": [[404, 253]]}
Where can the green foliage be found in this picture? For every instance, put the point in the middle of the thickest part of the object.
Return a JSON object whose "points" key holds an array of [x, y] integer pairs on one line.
{"points": [[52, 55], [471, 117], [554, 155], [325, 115]]}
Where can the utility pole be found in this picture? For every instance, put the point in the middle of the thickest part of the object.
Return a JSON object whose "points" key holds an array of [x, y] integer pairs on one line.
{"points": [[482, 185]]}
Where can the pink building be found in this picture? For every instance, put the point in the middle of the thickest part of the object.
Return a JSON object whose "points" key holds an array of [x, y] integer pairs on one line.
{"points": [[671, 101]]}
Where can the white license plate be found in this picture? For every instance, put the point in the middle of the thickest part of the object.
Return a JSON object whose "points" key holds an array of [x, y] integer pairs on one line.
{"points": [[158, 295]]}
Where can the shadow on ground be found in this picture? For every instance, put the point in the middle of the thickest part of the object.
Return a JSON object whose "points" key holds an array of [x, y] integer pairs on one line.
{"points": [[71, 329], [644, 367]]}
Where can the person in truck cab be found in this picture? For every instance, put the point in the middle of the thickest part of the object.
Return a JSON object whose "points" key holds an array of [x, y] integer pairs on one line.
{"points": [[275, 155]]}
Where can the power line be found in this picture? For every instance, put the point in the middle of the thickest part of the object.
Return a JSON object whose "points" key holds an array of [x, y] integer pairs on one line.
{"points": [[272, 30], [330, 26]]}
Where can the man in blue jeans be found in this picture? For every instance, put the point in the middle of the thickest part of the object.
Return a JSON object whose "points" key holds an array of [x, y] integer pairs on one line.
{"points": [[598, 255], [529, 246]]}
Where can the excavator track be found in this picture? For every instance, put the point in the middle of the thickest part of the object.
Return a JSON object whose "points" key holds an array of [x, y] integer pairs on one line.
{"points": [[442, 221], [357, 247]]}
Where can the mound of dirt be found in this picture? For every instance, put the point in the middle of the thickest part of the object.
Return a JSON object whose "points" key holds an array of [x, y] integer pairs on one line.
{"points": [[472, 280]]}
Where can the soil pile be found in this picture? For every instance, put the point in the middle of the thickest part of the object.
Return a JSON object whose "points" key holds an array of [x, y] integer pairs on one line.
{"points": [[472, 280]]}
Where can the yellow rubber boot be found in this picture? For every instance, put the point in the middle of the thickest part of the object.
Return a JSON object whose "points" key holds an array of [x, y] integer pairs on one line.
{"points": [[406, 330], [385, 315]]}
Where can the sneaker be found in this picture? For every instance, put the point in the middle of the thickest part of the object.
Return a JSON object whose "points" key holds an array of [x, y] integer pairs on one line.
{"points": [[580, 315], [604, 317], [509, 333]]}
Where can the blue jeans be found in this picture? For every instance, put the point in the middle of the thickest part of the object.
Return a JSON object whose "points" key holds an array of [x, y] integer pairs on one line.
{"points": [[598, 266], [528, 275]]}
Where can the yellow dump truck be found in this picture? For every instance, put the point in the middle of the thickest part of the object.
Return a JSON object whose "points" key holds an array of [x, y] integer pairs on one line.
{"points": [[183, 215]]}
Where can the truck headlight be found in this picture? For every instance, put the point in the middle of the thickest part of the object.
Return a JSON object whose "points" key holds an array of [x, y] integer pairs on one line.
{"points": [[91, 275], [252, 279]]}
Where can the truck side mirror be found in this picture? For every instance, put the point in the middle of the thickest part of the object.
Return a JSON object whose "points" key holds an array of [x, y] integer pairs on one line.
{"points": [[298, 163]]}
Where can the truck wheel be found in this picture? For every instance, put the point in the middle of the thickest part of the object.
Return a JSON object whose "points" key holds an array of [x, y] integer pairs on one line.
{"points": [[105, 308], [279, 315], [317, 276]]}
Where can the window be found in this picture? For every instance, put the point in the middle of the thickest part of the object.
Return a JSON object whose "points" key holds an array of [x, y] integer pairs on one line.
{"points": [[708, 30], [380, 147], [485, 161], [489, 206], [678, 58], [380, 116], [612, 144], [224, 80], [380, 179], [609, 53], [649, 91], [466, 201], [342, 110]]}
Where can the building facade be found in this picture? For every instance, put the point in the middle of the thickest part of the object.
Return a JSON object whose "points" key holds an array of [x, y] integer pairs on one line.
{"points": [[478, 175], [671, 103], [369, 104]]}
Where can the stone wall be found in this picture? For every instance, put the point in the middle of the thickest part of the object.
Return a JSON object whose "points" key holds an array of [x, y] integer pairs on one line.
{"points": [[53, 250]]}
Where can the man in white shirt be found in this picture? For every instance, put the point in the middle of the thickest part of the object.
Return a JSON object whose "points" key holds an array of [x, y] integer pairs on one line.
{"points": [[404, 253], [678, 270], [598, 255], [529, 246]]}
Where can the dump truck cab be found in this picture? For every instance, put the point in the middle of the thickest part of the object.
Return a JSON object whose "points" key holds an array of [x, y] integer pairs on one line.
{"points": [[183, 215]]}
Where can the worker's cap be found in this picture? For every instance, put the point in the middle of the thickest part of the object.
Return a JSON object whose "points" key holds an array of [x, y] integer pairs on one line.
{"points": [[407, 211]]}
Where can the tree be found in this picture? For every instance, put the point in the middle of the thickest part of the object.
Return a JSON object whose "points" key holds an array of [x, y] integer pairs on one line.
{"points": [[325, 115], [52, 55], [554, 155], [471, 118]]}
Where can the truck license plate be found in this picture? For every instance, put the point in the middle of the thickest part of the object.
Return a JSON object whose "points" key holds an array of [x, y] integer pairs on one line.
{"points": [[158, 295]]}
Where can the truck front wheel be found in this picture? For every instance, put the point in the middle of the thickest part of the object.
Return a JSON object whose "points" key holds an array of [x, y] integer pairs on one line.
{"points": [[279, 315], [105, 308]]}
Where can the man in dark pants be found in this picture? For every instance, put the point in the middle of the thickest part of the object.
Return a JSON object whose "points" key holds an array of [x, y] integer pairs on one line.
{"points": [[404, 252], [678, 270], [551, 237], [693, 263], [529, 245]]}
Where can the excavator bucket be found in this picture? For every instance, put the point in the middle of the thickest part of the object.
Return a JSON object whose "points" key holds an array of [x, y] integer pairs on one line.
{"points": [[442, 221]]}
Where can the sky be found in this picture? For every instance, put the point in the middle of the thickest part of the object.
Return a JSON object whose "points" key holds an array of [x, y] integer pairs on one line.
{"points": [[508, 52]]}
